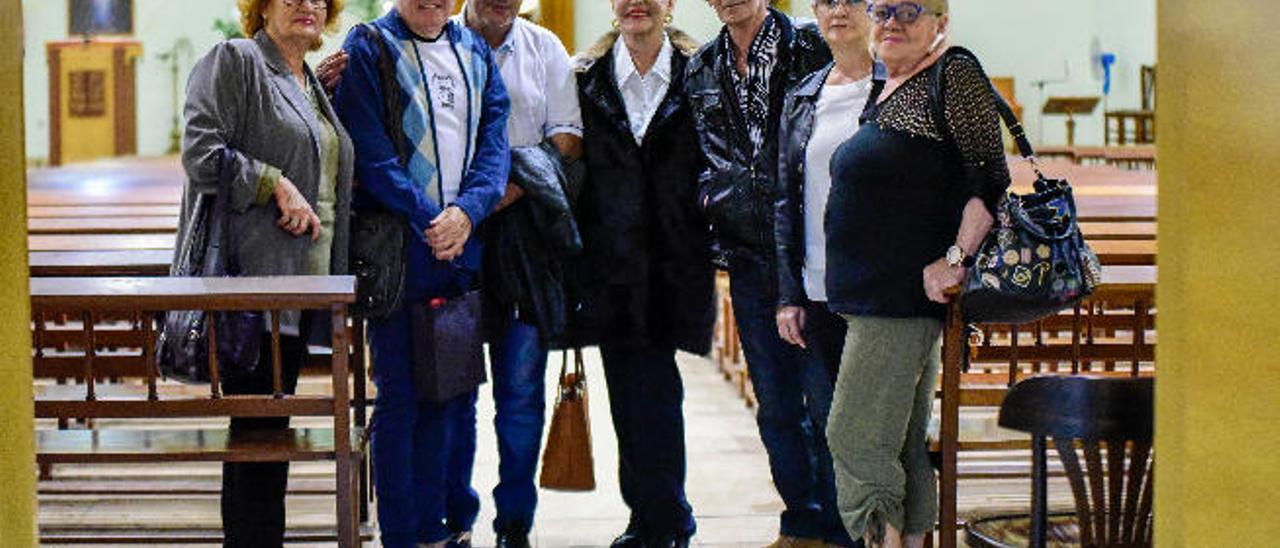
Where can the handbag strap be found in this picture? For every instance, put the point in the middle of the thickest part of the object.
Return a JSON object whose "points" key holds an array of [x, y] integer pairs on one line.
{"points": [[578, 370], [937, 93]]}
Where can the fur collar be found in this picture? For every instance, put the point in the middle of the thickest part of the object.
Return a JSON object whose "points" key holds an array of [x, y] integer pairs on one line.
{"points": [[583, 62]]}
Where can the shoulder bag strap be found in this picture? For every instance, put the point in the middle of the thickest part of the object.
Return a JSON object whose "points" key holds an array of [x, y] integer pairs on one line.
{"points": [[937, 96]]}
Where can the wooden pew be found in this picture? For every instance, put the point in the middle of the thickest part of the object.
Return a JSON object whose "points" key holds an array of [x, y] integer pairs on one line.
{"points": [[83, 211], [146, 262], [86, 356], [1089, 339], [100, 242], [103, 225]]}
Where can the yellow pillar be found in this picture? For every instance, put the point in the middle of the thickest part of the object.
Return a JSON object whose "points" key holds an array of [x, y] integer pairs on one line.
{"points": [[17, 447], [1218, 387]]}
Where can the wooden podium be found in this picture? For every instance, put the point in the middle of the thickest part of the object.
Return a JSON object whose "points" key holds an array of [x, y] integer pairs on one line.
{"points": [[92, 99], [1070, 106]]}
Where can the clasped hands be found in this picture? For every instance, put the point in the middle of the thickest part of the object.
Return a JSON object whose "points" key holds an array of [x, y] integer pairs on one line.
{"points": [[448, 233]]}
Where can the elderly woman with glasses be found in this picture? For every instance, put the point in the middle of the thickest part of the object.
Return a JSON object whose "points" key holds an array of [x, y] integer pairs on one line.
{"points": [[911, 200], [818, 115], [258, 120]]}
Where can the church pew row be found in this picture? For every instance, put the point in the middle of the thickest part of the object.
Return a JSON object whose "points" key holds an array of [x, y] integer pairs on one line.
{"points": [[141, 398]]}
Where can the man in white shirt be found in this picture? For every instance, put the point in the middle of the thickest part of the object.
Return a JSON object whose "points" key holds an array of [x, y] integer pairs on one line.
{"points": [[544, 106]]}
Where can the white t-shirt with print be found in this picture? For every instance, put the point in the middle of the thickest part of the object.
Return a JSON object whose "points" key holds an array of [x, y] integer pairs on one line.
{"points": [[449, 108]]}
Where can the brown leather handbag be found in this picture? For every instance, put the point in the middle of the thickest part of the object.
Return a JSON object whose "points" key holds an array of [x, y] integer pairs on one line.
{"points": [[567, 464]]}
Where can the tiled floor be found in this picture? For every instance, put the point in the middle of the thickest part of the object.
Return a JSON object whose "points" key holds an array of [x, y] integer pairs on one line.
{"points": [[729, 485]]}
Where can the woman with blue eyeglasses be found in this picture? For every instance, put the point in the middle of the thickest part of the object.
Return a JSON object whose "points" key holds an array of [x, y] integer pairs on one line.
{"points": [[911, 199]]}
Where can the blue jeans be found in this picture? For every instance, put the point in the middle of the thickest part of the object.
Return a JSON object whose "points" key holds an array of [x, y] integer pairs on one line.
{"points": [[423, 452], [793, 388], [518, 362], [646, 396]]}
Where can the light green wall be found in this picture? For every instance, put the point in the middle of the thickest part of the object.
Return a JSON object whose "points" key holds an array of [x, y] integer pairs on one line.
{"points": [[158, 24], [1029, 39]]}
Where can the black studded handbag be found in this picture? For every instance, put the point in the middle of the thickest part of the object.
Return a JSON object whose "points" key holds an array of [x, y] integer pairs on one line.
{"points": [[1034, 262]]}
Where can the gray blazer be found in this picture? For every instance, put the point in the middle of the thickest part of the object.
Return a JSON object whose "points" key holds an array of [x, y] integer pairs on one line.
{"points": [[242, 96]]}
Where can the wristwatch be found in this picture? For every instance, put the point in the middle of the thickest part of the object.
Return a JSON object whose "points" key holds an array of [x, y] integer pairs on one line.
{"points": [[957, 257]]}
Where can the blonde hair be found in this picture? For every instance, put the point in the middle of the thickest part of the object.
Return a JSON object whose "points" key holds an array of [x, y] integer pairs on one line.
{"points": [[251, 16], [938, 7]]}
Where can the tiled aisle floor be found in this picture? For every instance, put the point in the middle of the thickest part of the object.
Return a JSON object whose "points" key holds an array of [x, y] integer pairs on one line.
{"points": [[729, 485]]}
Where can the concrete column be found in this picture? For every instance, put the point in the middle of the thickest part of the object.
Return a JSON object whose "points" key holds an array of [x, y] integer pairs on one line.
{"points": [[17, 445], [1218, 380]]}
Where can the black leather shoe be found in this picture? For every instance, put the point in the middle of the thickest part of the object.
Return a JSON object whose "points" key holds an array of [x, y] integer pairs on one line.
{"points": [[628, 540], [512, 540], [679, 541]]}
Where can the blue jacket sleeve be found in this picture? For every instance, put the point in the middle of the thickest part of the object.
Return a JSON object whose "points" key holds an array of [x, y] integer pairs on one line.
{"points": [[486, 177], [358, 101]]}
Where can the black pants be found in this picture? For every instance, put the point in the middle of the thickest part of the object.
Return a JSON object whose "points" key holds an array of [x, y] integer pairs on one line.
{"points": [[253, 492], [646, 399]]}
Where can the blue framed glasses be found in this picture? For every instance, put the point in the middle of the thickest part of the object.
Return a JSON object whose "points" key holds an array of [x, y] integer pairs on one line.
{"points": [[904, 13], [833, 4]]}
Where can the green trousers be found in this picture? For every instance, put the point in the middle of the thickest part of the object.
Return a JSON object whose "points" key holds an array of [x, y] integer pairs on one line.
{"points": [[876, 430]]}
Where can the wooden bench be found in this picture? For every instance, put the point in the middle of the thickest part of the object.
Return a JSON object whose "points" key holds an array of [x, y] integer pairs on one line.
{"points": [[103, 225], [100, 242], [98, 211], [1110, 334], [102, 353], [143, 262]]}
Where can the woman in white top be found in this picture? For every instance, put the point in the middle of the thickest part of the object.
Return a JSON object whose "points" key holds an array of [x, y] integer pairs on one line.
{"points": [[819, 114], [645, 280]]}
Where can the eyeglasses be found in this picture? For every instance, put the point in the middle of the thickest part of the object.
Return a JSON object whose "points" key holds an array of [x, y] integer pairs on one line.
{"points": [[313, 4], [833, 4], [904, 13]]}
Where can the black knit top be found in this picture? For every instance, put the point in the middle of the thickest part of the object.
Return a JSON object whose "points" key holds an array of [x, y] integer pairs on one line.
{"points": [[900, 184]]}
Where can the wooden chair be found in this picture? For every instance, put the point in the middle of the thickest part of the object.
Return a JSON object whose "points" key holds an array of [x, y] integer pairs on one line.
{"points": [[1111, 416], [89, 329], [1108, 335]]}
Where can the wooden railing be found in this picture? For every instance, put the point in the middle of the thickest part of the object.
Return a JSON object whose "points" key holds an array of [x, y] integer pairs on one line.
{"points": [[87, 330]]}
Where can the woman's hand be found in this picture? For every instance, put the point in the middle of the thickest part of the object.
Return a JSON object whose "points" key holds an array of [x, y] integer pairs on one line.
{"points": [[329, 71], [939, 277], [448, 233], [791, 325], [297, 216]]}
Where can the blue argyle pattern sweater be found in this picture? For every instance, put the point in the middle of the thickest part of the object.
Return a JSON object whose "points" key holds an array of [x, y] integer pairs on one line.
{"points": [[405, 180]]}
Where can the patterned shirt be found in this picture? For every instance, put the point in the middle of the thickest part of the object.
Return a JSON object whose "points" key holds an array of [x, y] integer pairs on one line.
{"points": [[753, 89]]}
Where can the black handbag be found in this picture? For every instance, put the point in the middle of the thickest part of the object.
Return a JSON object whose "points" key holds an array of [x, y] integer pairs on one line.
{"points": [[182, 348], [448, 353], [1034, 263], [379, 237], [379, 243]]}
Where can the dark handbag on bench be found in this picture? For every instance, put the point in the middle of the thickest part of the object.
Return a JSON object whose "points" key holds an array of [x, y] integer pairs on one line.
{"points": [[1034, 263], [448, 353], [182, 349]]}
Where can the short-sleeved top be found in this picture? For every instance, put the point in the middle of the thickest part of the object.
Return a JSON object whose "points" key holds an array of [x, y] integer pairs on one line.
{"points": [[540, 81], [834, 121], [900, 185]]}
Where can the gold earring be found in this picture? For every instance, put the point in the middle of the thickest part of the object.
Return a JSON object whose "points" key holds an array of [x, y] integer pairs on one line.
{"points": [[616, 24], [667, 20]]}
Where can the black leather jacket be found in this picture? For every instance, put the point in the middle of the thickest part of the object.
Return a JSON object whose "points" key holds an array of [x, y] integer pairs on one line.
{"points": [[796, 126], [737, 188]]}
